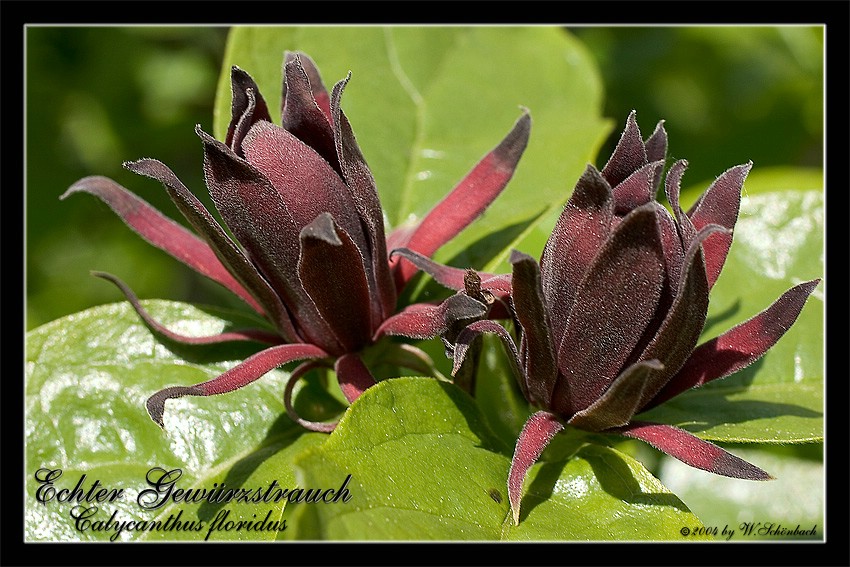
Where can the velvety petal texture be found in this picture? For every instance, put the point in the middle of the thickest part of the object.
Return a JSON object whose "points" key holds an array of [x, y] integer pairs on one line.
{"points": [[609, 322], [303, 239]]}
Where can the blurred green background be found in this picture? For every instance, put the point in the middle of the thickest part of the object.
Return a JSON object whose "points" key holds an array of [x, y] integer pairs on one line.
{"points": [[97, 96]]}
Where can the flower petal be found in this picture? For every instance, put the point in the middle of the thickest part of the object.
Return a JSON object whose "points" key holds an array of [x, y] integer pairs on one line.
{"points": [[225, 249], [320, 427], [425, 321], [261, 221], [361, 185], [477, 328], [535, 436], [536, 343], [258, 335], [673, 189], [306, 182], [674, 339], [616, 301], [353, 376], [240, 375], [581, 230], [656, 149], [317, 87], [161, 231], [470, 197], [628, 156], [331, 272], [309, 187], [692, 450], [740, 346], [301, 114], [455, 278], [638, 188], [719, 205], [620, 402], [247, 108]]}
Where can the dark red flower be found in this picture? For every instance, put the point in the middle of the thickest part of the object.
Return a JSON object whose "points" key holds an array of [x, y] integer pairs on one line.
{"points": [[309, 251], [608, 321]]}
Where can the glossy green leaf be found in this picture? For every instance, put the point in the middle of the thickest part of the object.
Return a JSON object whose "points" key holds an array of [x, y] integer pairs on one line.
{"points": [[87, 378], [426, 103], [437, 472]]}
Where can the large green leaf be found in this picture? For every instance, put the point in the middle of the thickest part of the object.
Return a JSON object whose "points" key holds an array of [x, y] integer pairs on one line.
{"points": [[426, 103], [87, 378], [424, 465]]}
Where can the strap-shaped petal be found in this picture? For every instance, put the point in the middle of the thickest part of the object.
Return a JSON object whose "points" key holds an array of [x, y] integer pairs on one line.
{"points": [[656, 150], [719, 205], [476, 329], [426, 321], [361, 185], [535, 436], [684, 320], [620, 402], [692, 450], [261, 221], [353, 376], [247, 107], [306, 182], [638, 188], [455, 278], [309, 186], [317, 87], [318, 426], [614, 304], [740, 346], [301, 114], [581, 230], [161, 231], [240, 375], [628, 156], [226, 250], [672, 188], [470, 197], [536, 345], [258, 335], [332, 274]]}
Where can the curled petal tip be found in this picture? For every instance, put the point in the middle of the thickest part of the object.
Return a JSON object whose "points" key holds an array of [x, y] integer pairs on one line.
{"points": [[156, 403], [80, 185]]}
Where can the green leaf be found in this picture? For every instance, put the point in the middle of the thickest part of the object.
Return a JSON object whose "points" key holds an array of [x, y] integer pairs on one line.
{"points": [[87, 378], [778, 243], [437, 472], [427, 103]]}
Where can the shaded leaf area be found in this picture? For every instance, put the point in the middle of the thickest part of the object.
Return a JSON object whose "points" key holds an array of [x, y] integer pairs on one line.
{"points": [[759, 413], [426, 103], [440, 474], [87, 378]]}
